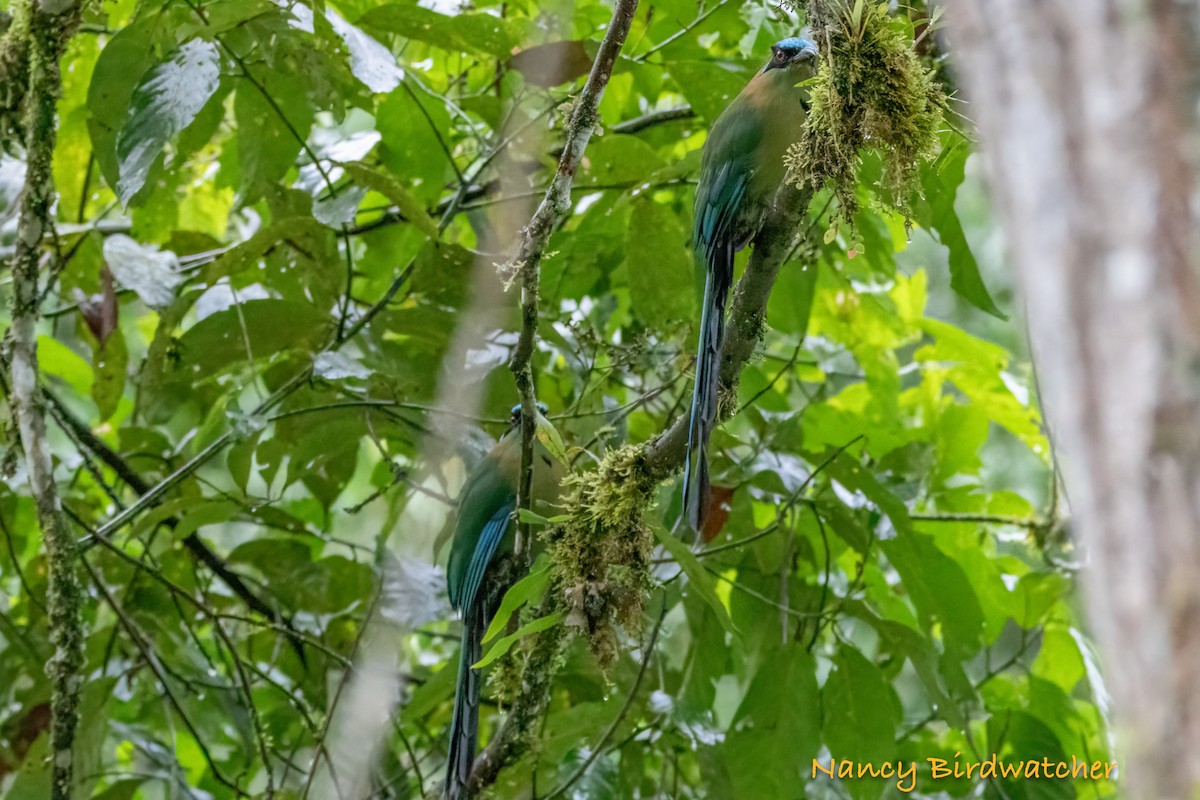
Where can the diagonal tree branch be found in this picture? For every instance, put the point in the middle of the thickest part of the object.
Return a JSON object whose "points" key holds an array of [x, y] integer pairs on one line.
{"points": [[195, 545]]}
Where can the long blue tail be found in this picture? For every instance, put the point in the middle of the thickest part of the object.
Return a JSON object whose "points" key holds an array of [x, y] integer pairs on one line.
{"points": [[464, 729], [704, 395]]}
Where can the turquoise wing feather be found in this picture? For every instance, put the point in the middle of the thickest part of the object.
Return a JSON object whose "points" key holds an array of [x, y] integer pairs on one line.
{"points": [[488, 492]]}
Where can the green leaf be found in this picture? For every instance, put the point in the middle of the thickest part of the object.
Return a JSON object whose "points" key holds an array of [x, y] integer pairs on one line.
{"points": [[109, 364], [199, 514], [910, 643], [32, 778], [393, 190], [1036, 594], [708, 86], [698, 578], [940, 182], [270, 326], [858, 478], [520, 593], [413, 128], [777, 726], [270, 133], [320, 586], [941, 592], [860, 711], [118, 70], [532, 517], [163, 105], [303, 233], [614, 159], [1059, 659], [471, 33], [657, 266], [55, 358], [979, 371], [502, 646], [790, 303]]}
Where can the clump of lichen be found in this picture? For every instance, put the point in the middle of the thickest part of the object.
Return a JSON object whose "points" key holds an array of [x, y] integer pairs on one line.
{"points": [[600, 556], [871, 91]]}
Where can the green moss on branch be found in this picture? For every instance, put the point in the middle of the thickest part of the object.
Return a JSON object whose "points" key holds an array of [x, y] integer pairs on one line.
{"points": [[601, 555], [36, 40], [872, 91]]}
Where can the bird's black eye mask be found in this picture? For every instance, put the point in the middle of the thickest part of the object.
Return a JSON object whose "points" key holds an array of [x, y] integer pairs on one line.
{"points": [[784, 54], [514, 415]]}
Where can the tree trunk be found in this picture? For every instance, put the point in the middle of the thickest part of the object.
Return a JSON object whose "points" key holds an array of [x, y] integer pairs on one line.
{"points": [[1086, 114]]}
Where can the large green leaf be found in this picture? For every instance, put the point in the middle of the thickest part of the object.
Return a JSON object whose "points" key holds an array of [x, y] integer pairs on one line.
{"points": [[273, 117], [166, 101], [776, 731], [940, 182], [860, 717], [473, 33], [254, 328], [658, 266], [118, 70]]}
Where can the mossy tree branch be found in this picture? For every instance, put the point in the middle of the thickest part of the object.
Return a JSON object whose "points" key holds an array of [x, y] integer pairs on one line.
{"points": [[44, 36], [537, 676], [554, 207]]}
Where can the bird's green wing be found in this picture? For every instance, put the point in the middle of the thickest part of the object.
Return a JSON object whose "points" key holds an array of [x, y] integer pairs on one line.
{"points": [[483, 515], [725, 173]]}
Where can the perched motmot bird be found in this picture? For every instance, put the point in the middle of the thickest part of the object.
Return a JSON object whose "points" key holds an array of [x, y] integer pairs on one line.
{"points": [[482, 565], [740, 171]]}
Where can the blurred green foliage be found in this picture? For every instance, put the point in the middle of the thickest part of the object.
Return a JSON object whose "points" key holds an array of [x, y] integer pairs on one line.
{"points": [[241, 180]]}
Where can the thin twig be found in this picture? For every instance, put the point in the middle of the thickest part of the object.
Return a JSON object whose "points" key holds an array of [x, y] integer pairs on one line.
{"points": [[596, 751], [151, 660]]}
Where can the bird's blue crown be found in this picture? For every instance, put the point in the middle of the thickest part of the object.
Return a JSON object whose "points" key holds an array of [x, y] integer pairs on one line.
{"points": [[793, 44], [514, 414]]}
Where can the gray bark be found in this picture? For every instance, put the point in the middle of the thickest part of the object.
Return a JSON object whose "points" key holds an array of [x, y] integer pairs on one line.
{"points": [[1086, 114]]}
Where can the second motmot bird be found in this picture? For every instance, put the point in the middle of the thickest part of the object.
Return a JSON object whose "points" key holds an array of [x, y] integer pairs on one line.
{"points": [[741, 170], [483, 563]]}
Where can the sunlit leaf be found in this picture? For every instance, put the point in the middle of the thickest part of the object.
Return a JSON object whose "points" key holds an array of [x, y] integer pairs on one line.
{"points": [[371, 62], [152, 273], [169, 98]]}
